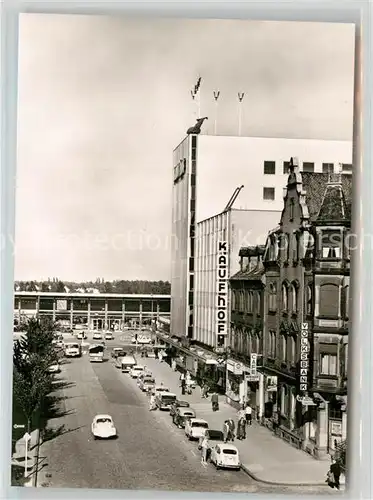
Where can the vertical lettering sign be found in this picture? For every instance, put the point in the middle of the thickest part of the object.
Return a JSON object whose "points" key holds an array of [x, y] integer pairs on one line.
{"points": [[253, 364], [304, 353], [222, 289]]}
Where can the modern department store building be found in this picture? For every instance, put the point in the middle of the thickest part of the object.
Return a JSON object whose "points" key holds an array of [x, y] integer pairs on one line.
{"points": [[209, 226]]}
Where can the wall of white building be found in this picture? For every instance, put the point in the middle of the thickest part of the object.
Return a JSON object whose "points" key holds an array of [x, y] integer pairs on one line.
{"points": [[224, 163], [238, 228]]}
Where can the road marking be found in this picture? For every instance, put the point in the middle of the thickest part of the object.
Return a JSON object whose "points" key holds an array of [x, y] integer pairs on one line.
{"points": [[192, 452]]}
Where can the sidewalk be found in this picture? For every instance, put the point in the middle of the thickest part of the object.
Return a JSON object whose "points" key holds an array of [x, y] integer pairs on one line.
{"points": [[265, 457]]}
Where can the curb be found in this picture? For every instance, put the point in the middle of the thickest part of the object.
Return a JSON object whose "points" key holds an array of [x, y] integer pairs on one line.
{"points": [[272, 483]]}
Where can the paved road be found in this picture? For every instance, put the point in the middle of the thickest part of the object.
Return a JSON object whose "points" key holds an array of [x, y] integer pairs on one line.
{"points": [[148, 454]]}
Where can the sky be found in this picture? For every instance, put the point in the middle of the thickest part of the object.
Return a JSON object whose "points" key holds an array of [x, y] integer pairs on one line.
{"points": [[103, 101]]}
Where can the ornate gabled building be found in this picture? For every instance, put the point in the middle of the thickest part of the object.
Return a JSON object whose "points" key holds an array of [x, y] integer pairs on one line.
{"points": [[306, 267], [246, 331]]}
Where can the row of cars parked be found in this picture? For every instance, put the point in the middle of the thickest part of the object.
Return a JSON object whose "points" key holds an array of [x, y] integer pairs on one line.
{"points": [[221, 454]]}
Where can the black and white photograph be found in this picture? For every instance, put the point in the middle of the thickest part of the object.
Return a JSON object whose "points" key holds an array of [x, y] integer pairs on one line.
{"points": [[182, 254]]}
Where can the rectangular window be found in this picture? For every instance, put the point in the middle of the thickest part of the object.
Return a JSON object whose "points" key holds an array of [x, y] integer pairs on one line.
{"points": [[286, 167], [328, 364], [331, 252], [346, 167], [268, 193], [308, 166], [269, 167], [327, 168]]}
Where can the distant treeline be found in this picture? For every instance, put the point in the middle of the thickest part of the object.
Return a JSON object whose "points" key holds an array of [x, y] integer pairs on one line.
{"points": [[99, 286]]}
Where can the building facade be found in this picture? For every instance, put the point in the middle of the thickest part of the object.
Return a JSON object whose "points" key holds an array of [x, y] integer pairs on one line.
{"points": [[220, 238], [206, 171], [244, 381], [304, 318], [95, 311]]}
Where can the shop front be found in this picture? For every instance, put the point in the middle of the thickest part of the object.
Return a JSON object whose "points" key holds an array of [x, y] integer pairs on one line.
{"points": [[235, 384]]}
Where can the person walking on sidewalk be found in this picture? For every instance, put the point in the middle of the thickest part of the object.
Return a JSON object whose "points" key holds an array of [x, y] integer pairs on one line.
{"points": [[183, 384], [241, 427], [204, 448], [249, 414], [226, 431], [215, 401], [152, 405], [334, 474], [231, 429]]}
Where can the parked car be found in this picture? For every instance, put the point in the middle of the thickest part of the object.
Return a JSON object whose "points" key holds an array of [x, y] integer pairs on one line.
{"points": [[145, 373], [97, 336], [150, 354], [55, 368], [109, 336], [136, 371], [178, 404], [224, 455], [195, 427], [117, 352], [181, 415], [147, 383], [128, 362], [164, 400], [161, 388], [103, 427], [214, 437]]}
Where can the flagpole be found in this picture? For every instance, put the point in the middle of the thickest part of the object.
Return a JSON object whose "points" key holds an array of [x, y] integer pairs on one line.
{"points": [[240, 99], [216, 97]]}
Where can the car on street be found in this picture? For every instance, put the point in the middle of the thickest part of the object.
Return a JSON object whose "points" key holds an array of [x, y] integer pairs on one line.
{"points": [[178, 404], [164, 400], [147, 383], [142, 339], [109, 336], [181, 415], [225, 456], [150, 354], [136, 371], [195, 427], [73, 350], [103, 427], [97, 336], [55, 368], [128, 362], [117, 352], [145, 373], [213, 436], [160, 388]]}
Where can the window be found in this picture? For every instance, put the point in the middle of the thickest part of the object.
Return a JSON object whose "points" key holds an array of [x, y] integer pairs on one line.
{"points": [[272, 299], [328, 364], [346, 301], [291, 206], [284, 401], [268, 193], [250, 302], [233, 300], [293, 350], [286, 167], [272, 344], [309, 299], [308, 166], [331, 243], [346, 167], [285, 297], [294, 291], [242, 301], [329, 300], [327, 168], [285, 248], [284, 348], [269, 167], [329, 252]]}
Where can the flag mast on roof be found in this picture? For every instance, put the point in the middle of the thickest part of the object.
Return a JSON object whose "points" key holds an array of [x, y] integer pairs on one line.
{"points": [[216, 97], [240, 96]]}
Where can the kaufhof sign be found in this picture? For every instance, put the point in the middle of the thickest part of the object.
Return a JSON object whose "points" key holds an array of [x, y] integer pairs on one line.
{"points": [[222, 289], [304, 358]]}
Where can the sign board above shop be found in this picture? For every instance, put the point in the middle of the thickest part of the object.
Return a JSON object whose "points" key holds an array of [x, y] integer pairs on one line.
{"points": [[234, 367]]}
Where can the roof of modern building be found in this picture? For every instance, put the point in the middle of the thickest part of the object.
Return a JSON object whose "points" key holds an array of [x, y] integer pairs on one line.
{"points": [[78, 295]]}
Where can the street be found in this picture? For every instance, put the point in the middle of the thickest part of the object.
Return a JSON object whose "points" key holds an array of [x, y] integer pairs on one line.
{"points": [[149, 453]]}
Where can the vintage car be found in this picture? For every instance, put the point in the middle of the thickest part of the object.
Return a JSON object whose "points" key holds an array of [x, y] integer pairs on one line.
{"points": [[109, 336], [178, 404], [146, 383], [213, 436], [163, 400], [117, 352], [136, 371], [55, 368], [195, 427], [181, 415], [103, 427], [225, 456], [97, 336]]}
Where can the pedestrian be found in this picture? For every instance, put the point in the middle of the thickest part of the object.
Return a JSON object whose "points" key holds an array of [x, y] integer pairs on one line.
{"points": [[183, 383], [173, 364], [248, 413], [334, 474], [215, 401], [226, 431], [241, 428], [152, 405], [241, 413], [204, 448], [232, 428]]}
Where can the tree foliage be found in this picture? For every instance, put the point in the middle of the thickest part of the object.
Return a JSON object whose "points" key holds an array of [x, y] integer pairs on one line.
{"points": [[32, 355]]}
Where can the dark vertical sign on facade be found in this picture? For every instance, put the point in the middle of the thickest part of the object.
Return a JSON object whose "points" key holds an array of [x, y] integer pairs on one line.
{"points": [[222, 289], [304, 361]]}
